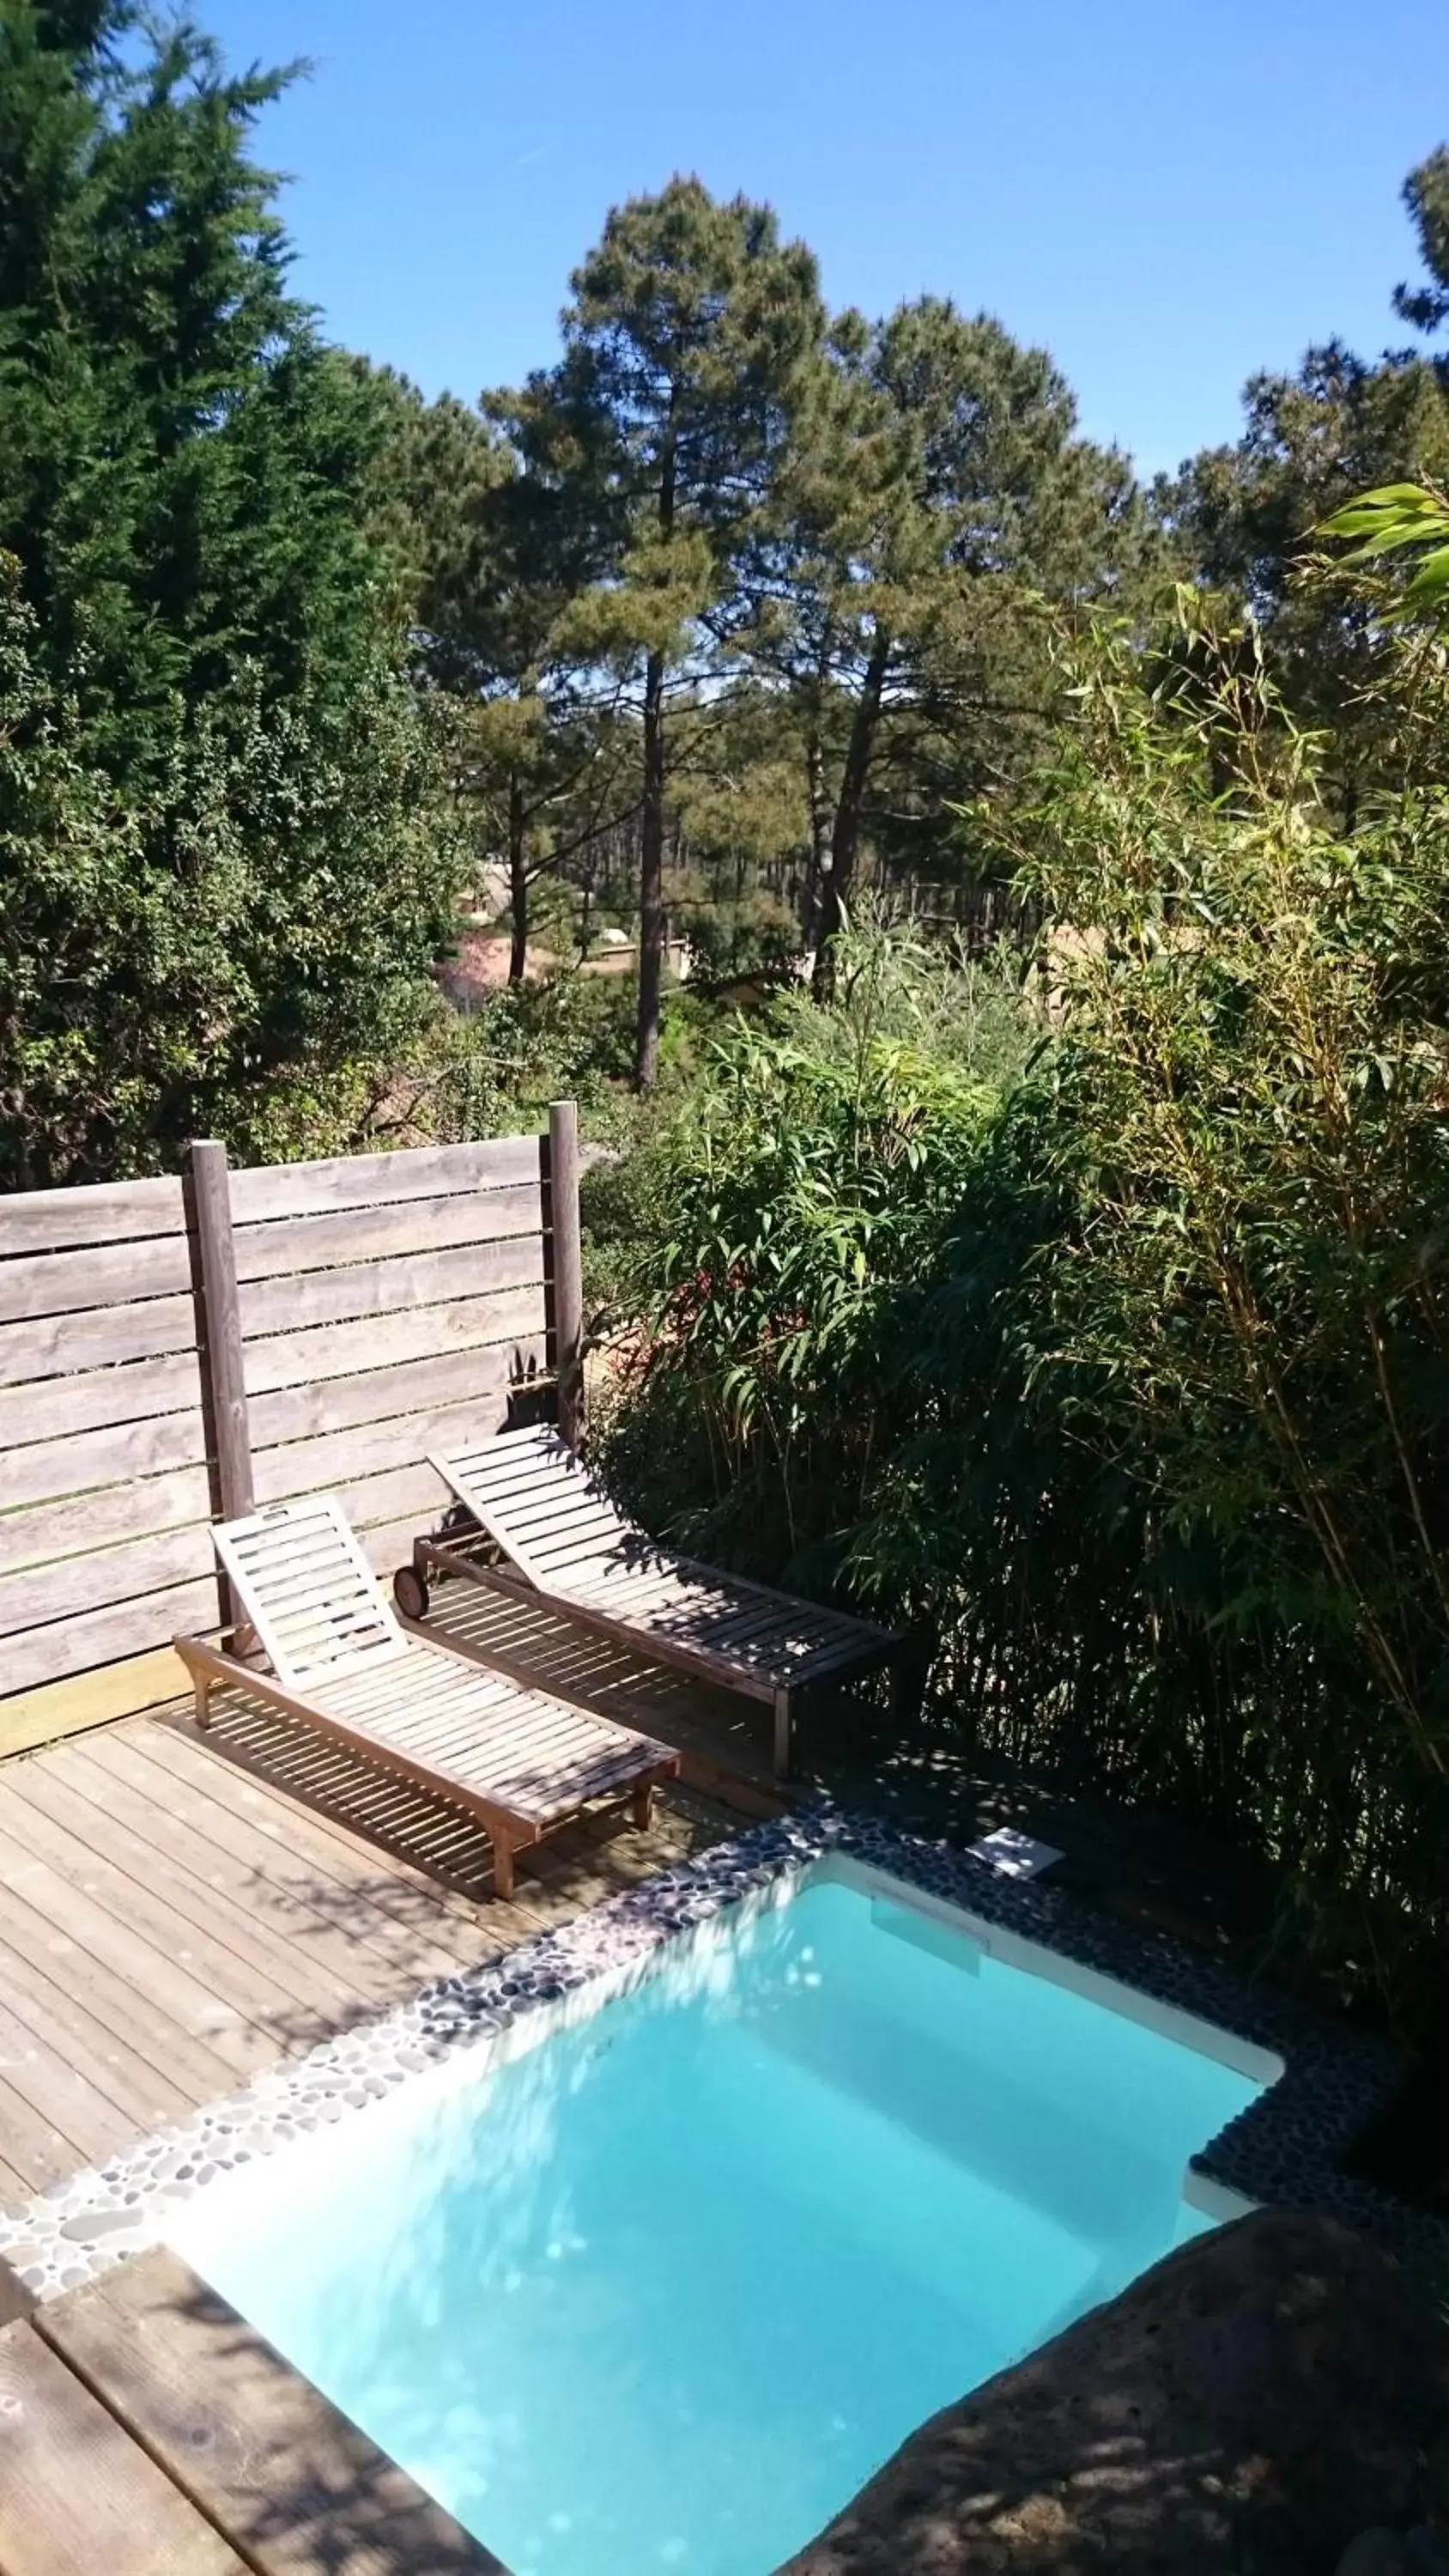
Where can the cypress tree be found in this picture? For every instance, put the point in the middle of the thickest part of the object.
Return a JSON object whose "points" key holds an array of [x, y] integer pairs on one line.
{"points": [[219, 883]]}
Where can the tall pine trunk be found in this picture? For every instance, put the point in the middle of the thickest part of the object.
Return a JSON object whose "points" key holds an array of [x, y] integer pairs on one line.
{"points": [[850, 805], [810, 909], [517, 880], [651, 878], [651, 824]]}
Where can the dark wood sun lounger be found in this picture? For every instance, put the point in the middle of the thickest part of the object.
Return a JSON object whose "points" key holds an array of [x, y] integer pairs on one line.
{"points": [[565, 1537], [519, 1760]]}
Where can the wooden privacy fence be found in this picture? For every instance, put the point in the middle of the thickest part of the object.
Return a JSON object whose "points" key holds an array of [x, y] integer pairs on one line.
{"points": [[171, 1350]]}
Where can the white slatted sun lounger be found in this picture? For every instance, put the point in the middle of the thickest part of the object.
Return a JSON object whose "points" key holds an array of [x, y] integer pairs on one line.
{"points": [[560, 1529], [519, 1760]]}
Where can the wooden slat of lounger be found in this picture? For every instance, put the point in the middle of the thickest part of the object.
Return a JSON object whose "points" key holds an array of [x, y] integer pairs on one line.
{"points": [[450, 1736], [631, 1594], [543, 1780], [328, 1629], [760, 1638], [533, 1714], [512, 1444], [254, 2446], [350, 1615], [549, 1487], [556, 1503], [703, 1623], [321, 1615], [513, 1481], [569, 1529], [373, 1689], [552, 1795], [739, 1613], [383, 1713], [471, 1731], [566, 1520], [545, 1726], [403, 1720], [512, 1460], [591, 1560], [745, 1620]]}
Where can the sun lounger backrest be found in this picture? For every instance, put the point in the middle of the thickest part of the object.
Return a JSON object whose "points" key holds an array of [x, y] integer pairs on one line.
{"points": [[518, 1485], [305, 1586]]}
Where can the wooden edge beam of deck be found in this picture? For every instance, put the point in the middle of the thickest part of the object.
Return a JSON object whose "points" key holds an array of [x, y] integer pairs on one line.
{"points": [[77, 2493], [281, 2477]]}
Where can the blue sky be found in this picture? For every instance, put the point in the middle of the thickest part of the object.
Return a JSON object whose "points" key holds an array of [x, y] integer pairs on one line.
{"points": [[1167, 195]]}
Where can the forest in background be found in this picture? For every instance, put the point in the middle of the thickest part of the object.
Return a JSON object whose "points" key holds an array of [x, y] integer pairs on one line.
{"points": [[1030, 1219]]}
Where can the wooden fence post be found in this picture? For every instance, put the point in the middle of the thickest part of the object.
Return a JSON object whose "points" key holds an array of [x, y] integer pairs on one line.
{"points": [[568, 1274], [222, 1342]]}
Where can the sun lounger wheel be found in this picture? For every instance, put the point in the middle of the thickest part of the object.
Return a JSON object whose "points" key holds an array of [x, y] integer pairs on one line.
{"points": [[410, 1592]]}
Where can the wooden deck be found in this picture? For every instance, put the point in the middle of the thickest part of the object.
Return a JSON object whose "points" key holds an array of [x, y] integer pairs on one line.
{"points": [[145, 2430], [178, 1912]]}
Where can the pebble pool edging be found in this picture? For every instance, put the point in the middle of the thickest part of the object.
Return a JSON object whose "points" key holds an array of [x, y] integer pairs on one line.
{"points": [[1286, 2149]]}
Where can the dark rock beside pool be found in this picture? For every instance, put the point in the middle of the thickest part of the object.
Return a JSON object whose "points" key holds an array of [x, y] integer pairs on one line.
{"points": [[1252, 2402]]}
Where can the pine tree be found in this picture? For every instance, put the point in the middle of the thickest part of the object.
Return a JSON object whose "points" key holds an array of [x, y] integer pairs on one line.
{"points": [[684, 344], [934, 488]]}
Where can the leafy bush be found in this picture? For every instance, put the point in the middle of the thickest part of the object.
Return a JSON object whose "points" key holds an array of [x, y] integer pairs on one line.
{"points": [[1252, 1307], [1122, 1368], [780, 1215]]}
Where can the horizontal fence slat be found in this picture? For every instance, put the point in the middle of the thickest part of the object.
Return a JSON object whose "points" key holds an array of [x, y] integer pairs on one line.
{"points": [[344, 1458], [288, 1245], [111, 1212], [374, 1342], [105, 1636], [84, 1459], [415, 1494], [88, 1402], [259, 1191], [387, 1545], [113, 1574], [304, 1412], [384, 1287], [137, 1510], [101, 1337], [58, 1283]]}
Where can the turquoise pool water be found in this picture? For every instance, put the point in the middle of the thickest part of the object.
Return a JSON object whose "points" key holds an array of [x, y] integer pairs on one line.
{"points": [[661, 2292]]}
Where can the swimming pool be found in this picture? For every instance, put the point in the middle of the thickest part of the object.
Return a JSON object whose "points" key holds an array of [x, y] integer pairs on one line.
{"points": [[657, 2280]]}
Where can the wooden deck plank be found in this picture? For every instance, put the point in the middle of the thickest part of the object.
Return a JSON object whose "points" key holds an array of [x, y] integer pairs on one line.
{"points": [[146, 1891], [64, 2094], [160, 1973], [320, 1966], [125, 2009], [77, 2494], [147, 2095], [292, 2483], [32, 2152], [278, 1851]]}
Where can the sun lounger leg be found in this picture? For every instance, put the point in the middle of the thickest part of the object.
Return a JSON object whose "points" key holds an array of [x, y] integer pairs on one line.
{"points": [[641, 1805], [502, 1868], [784, 1721], [910, 1671], [203, 1699]]}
